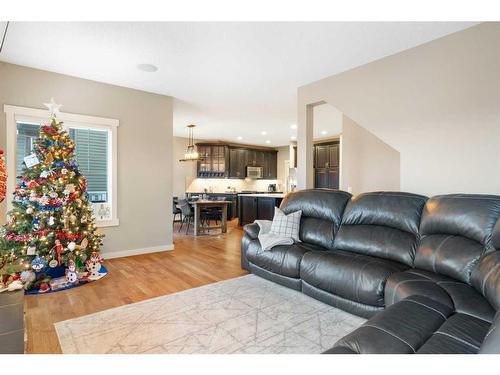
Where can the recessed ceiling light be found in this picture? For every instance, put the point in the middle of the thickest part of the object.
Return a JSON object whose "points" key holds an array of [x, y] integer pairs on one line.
{"points": [[268, 141], [324, 132], [293, 126], [150, 68], [263, 132], [239, 138], [293, 137]]}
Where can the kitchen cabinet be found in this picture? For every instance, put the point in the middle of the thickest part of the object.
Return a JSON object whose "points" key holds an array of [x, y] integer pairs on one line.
{"points": [[224, 160], [240, 158], [255, 207], [248, 209], [237, 163], [214, 161], [326, 165]]}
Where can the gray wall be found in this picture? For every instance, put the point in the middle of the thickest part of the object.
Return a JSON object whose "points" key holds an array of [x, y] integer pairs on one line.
{"points": [[144, 147], [437, 104]]}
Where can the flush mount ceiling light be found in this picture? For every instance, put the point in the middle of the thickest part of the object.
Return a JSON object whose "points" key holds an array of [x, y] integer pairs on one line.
{"points": [[324, 132], [293, 127], [239, 138], [191, 154], [263, 132], [149, 68], [293, 137], [268, 141]]}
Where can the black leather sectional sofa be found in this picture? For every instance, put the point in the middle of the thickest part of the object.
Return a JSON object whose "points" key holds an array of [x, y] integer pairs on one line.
{"points": [[424, 271]]}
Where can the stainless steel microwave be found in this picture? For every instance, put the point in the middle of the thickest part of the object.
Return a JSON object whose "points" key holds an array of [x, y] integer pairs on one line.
{"points": [[254, 172]]}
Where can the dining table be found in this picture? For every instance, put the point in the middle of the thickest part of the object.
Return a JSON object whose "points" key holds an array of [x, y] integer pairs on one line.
{"points": [[199, 204]]}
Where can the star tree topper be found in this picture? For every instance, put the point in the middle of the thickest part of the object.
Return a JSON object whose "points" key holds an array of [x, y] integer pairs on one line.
{"points": [[53, 107]]}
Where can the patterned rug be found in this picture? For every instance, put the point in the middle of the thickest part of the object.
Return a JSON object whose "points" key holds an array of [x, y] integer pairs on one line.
{"points": [[243, 315]]}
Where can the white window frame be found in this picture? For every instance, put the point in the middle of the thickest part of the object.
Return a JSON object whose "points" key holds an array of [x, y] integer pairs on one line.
{"points": [[15, 114]]}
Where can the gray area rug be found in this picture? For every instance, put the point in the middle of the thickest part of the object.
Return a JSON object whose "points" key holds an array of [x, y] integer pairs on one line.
{"points": [[243, 315]]}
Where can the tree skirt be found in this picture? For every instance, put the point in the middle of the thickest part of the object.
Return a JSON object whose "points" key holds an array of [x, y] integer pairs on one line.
{"points": [[56, 280]]}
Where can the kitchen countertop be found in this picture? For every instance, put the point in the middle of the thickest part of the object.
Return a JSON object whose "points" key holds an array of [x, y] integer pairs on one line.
{"points": [[264, 195]]}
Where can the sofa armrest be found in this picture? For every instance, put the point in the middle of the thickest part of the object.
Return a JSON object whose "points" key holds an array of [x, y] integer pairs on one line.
{"points": [[252, 230], [491, 343]]}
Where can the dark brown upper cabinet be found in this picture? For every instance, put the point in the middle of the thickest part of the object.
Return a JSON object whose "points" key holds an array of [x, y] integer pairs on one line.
{"points": [[214, 161], [224, 160], [326, 165]]}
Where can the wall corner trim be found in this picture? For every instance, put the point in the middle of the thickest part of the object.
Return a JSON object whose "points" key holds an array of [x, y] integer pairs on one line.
{"points": [[139, 251]]}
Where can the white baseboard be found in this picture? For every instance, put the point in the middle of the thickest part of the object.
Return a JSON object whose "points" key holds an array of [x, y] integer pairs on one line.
{"points": [[142, 250]]}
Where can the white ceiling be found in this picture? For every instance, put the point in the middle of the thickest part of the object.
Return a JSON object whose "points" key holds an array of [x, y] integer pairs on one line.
{"points": [[231, 79]]}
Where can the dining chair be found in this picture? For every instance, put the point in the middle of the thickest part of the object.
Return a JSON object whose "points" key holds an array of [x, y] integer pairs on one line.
{"points": [[187, 214], [176, 211]]}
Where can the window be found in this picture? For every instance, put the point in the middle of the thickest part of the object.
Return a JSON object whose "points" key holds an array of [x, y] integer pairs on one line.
{"points": [[95, 152]]}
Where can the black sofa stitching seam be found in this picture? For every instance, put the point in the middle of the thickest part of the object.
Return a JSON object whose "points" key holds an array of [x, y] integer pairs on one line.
{"points": [[391, 334], [457, 339], [423, 304]]}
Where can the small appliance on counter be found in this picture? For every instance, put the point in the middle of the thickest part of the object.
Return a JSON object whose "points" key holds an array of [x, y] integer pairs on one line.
{"points": [[271, 188]]}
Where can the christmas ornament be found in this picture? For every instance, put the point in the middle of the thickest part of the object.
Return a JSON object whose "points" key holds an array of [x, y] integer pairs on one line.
{"points": [[31, 250], [44, 200], [71, 275], [84, 243], [64, 171], [29, 210], [94, 266], [72, 219], [72, 246], [38, 264], [52, 221], [53, 195], [53, 263], [53, 107], [36, 223], [58, 248]]}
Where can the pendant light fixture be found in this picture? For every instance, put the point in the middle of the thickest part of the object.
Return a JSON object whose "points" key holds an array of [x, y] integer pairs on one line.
{"points": [[191, 154]]}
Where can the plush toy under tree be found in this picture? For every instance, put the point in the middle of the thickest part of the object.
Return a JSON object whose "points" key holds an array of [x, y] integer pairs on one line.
{"points": [[51, 224]]}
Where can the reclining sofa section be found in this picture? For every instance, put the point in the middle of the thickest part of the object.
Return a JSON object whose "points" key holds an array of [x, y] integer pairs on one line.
{"points": [[425, 271]]}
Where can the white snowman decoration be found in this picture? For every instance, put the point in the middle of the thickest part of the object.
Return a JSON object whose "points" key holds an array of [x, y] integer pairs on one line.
{"points": [[94, 266], [71, 275]]}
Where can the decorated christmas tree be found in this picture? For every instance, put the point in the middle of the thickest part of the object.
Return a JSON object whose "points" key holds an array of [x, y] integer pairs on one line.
{"points": [[51, 224]]}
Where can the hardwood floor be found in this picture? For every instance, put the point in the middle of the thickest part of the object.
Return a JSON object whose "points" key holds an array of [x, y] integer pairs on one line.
{"points": [[195, 261]]}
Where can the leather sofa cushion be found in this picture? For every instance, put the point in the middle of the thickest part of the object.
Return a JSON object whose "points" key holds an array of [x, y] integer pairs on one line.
{"points": [[491, 343], [486, 278], [460, 334], [321, 214], [402, 328], [454, 294], [468, 215], [382, 224], [456, 230], [317, 232], [321, 204], [356, 277], [377, 241], [283, 260], [392, 209], [450, 255], [252, 230]]}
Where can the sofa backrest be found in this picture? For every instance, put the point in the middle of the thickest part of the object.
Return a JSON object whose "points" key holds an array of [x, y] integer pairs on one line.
{"points": [[382, 224], [321, 213], [456, 230], [486, 275]]}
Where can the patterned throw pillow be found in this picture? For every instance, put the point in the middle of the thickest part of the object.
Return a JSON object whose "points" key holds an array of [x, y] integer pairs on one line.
{"points": [[286, 225]]}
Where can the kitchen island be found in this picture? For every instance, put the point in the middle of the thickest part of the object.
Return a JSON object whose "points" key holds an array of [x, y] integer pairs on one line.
{"points": [[257, 206]]}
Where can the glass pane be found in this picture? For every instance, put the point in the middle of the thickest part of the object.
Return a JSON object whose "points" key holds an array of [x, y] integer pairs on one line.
{"points": [[92, 156], [26, 136]]}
